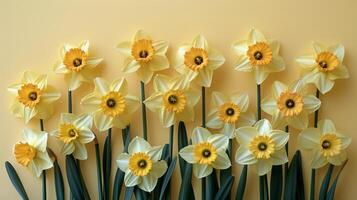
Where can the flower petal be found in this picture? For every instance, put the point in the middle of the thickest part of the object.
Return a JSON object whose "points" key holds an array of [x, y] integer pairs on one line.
{"points": [[93, 62], [123, 161], [154, 102], [158, 63], [200, 42], [339, 159], [326, 126], [255, 36], [222, 161], [102, 121], [269, 105], [141, 34], [260, 75], [83, 120], [158, 169], [167, 118], [263, 126], [311, 103], [91, 102], [80, 151], [215, 59], [67, 148], [228, 130], [263, 167], [318, 47], [244, 135], [161, 83], [187, 153], [84, 46], [279, 120], [306, 61], [41, 162], [74, 80], [245, 157], [50, 95], [242, 100], [243, 64], [119, 85], [86, 136], [201, 171], [240, 47], [130, 65], [200, 135], [279, 157], [309, 138], [205, 77], [277, 65], [187, 115], [130, 179], [338, 50], [318, 160], [278, 88], [29, 113], [148, 183], [160, 47], [101, 86], [60, 68], [218, 98], [155, 152], [340, 72], [280, 138], [214, 122], [145, 74], [219, 141], [300, 121], [124, 48], [132, 104], [138, 144]]}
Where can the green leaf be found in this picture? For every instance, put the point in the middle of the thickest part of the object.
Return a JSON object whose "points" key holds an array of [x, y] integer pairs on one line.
{"points": [[107, 164], [325, 183], [129, 191], [168, 176], [73, 178], [331, 192], [164, 156], [225, 174], [211, 185], [294, 185], [99, 171], [186, 190], [224, 191], [242, 183], [276, 182], [140, 194], [182, 142], [15, 180], [58, 181]]}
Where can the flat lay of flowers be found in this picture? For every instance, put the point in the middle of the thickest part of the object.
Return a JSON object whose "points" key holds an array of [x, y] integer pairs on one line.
{"points": [[224, 134]]}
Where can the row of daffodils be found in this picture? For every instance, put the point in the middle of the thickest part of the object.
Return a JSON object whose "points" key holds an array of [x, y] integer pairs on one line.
{"points": [[261, 142]]}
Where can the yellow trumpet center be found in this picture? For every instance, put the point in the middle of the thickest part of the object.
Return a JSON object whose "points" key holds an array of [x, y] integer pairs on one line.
{"points": [[229, 113], [142, 50], [290, 103], [24, 153], [327, 61], [196, 58], [260, 54], [205, 153], [29, 95], [113, 104], [175, 101], [262, 147], [140, 164], [68, 133], [330, 145], [75, 59]]}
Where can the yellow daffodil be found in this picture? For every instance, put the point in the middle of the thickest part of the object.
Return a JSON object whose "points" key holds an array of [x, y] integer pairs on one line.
{"points": [[32, 152], [229, 113], [74, 132], [327, 144], [206, 152], [290, 105], [110, 104], [324, 66], [261, 146], [198, 61], [144, 56], [172, 99], [34, 98], [259, 55], [76, 65], [142, 164]]}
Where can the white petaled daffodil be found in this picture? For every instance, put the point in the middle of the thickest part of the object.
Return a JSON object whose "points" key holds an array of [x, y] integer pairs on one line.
{"points": [[110, 104], [172, 99], [144, 56], [198, 61], [32, 152], [229, 113], [34, 98], [142, 164], [206, 152], [76, 65], [327, 144], [261, 146], [290, 105], [258, 55], [324, 66], [74, 132]]}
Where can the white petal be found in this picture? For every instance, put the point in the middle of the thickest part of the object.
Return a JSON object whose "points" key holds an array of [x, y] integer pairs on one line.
{"points": [[86, 136], [167, 118], [102, 121], [205, 77], [200, 135], [130, 65], [200, 42], [155, 153], [338, 50], [278, 88], [158, 63], [340, 72], [338, 159], [263, 126], [138, 144], [130, 179], [93, 62], [80, 151], [243, 64], [84, 46], [218, 98], [222, 161], [215, 59], [260, 75], [132, 104], [74, 80], [154, 102], [83, 120], [50, 95], [240, 47], [277, 65], [29, 113], [193, 97], [67, 148], [141, 34], [123, 161], [201, 171], [245, 135], [228, 130], [187, 153], [187, 115], [324, 84], [41, 162], [326, 126], [214, 122], [263, 167], [255, 36], [119, 85], [300, 121], [158, 169], [279, 157], [311, 103], [145, 74], [91, 102], [101, 86], [309, 138], [307, 61], [279, 120], [280, 138], [318, 48], [318, 160], [345, 141], [269, 105], [219, 141], [122, 121], [124, 48], [242, 100], [60, 68], [161, 83], [245, 157], [275, 47], [160, 47], [148, 183]]}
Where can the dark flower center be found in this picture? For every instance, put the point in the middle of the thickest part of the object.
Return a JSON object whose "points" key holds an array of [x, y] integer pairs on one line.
{"points": [[72, 133], [33, 96], [142, 163], [198, 60], [323, 64], [172, 99], [206, 153], [290, 103], [230, 111], [143, 54], [258, 55], [77, 62], [111, 103], [326, 144], [262, 146]]}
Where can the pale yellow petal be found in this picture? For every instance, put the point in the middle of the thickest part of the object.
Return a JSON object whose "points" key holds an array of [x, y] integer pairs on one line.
{"points": [[158, 63], [145, 74], [148, 183], [215, 59], [318, 47], [101, 86], [124, 48], [245, 157], [93, 62], [318, 160], [160, 47], [132, 104], [311, 103], [219, 141], [102, 121], [309, 139], [326, 126], [130, 65], [200, 135], [205, 77], [269, 105], [242, 64], [280, 138], [141, 34], [84, 46], [278, 88], [91, 102], [240, 47], [218, 98], [167, 118], [201, 171], [138, 144], [307, 61], [187, 154], [200, 42], [242, 100], [279, 157], [119, 85], [244, 135], [263, 126], [260, 75], [255, 36], [340, 72], [60, 68], [131, 180], [338, 50], [74, 80], [263, 167], [300, 121], [154, 102], [222, 161]]}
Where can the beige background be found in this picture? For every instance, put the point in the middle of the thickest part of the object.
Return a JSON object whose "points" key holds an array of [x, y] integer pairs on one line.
{"points": [[32, 32]]}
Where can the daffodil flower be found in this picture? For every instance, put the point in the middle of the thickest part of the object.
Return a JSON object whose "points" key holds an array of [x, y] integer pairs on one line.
{"points": [[198, 61], [76, 65], [172, 99], [261, 146], [258, 55], [34, 98], [229, 113], [144, 56], [74, 132], [32, 152], [327, 145], [142, 164], [110, 104], [290, 105], [324, 66], [206, 152]]}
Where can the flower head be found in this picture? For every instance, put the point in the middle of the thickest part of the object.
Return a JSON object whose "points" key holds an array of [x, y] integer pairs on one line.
{"points": [[290, 105], [110, 104], [327, 144], [259, 55], [144, 56], [229, 113], [172, 99], [198, 61], [76, 65], [74, 132], [32, 151], [261, 146], [324, 66], [34, 97], [206, 152], [142, 164]]}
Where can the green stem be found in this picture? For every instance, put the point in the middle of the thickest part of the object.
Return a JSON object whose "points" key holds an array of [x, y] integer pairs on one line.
{"points": [[313, 171], [44, 193], [69, 101], [287, 153], [143, 111], [171, 144], [203, 96], [99, 169]]}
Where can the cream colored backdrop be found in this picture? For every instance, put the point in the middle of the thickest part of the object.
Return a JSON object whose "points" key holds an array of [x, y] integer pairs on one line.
{"points": [[32, 32]]}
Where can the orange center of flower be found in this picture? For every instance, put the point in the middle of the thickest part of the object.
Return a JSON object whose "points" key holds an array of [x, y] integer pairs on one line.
{"points": [[174, 101], [24, 153], [196, 58], [330, 145], [113, 104], [327, 61], [29, 95], [229, 113], [75, 59], [260, 54], [142, 50], [290, 103]]}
